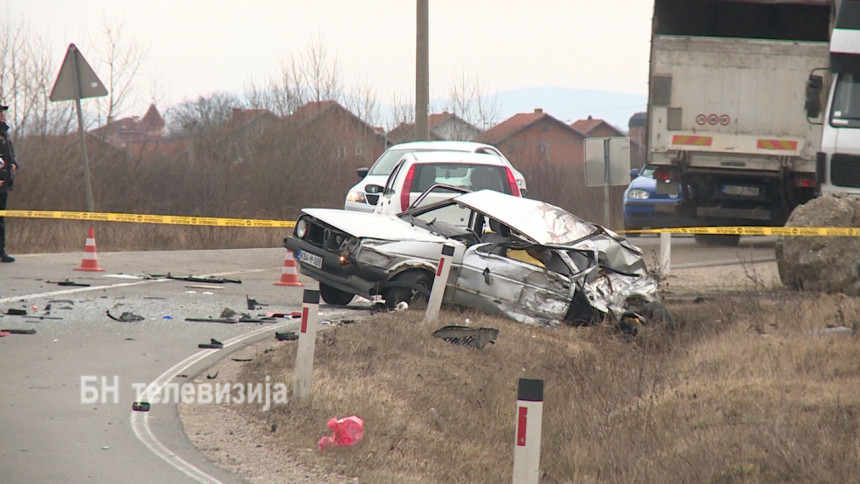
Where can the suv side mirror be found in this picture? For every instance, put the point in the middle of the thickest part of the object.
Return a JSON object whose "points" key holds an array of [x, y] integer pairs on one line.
{"points": [[813, 96], [362, 172]]}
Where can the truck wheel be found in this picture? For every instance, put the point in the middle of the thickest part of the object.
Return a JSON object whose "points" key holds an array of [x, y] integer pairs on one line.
{"points": [[413, 287], [335, 296], [720, 239]]}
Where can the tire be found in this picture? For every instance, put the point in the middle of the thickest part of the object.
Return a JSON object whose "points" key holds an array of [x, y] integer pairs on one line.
{"points": [[721, 239], [413, 287], [335, 296]]}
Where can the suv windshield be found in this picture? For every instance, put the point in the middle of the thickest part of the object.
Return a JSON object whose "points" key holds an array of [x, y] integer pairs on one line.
{"points": [[846, 102], [386, 162]]}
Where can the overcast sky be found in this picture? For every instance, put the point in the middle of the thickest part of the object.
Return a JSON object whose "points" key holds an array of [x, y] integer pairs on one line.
{"points": [[196, 48]]}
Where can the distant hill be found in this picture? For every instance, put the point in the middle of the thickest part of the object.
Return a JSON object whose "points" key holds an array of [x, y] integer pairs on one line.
{"points": [[568, 105]]}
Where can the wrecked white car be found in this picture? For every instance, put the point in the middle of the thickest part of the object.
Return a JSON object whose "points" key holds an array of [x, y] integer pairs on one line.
{"points": [[515, 257]]}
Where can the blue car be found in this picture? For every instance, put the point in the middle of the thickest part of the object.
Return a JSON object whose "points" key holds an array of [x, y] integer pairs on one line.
{"points": [[644, 208]]}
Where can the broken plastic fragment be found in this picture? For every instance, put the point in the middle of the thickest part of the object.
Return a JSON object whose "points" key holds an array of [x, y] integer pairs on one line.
{"points": [[140, 406], [126, 317], [213, 344], [467, 336], [348, 431]]}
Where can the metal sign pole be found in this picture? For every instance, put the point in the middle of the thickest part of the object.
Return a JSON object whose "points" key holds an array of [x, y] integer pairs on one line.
{"points": [[76, 81]]}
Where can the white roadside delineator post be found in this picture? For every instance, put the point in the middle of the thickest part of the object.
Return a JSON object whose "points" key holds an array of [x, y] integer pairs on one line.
{"points": [[529, 417], [434, 303], [307, 340], [665, 252]]}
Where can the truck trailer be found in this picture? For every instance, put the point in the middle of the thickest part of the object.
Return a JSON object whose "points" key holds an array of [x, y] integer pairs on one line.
{"points": [[731, 106]]}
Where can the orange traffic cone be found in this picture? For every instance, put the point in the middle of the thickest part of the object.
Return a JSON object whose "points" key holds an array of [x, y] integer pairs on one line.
{"points": [[90, 262], [289, 276]]}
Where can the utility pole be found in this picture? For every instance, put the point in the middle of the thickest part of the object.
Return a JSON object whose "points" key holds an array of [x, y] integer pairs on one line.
{"points": [[422, 71]]}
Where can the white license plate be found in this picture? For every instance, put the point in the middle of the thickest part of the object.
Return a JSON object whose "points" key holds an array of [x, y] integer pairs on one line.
{"points": [[740, 191], [311, 259]]}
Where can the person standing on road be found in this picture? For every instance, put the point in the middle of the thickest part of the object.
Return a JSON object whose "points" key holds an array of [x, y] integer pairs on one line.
{"points": [[8, 165]]}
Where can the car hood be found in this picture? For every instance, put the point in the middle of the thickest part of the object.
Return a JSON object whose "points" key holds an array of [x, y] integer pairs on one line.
{"points": [[543, 223], [643, 183], [372, 225]]}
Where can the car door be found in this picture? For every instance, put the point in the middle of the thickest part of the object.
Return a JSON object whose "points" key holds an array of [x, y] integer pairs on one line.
{"points": [[504, 286]]}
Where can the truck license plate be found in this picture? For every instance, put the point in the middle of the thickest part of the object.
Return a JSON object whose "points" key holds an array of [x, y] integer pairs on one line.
{"points": [[740, 191], [312, 259]]}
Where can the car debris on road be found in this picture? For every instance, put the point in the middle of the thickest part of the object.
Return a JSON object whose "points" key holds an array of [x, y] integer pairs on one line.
{"points": [[467, 335], [125, 317]]}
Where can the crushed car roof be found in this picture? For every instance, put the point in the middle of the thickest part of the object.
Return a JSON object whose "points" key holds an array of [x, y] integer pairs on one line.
{"points": [[545, 224], [372, 225]]}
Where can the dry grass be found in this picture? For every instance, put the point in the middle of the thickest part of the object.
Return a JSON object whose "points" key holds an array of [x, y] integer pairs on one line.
{"points": [[744, 390]]}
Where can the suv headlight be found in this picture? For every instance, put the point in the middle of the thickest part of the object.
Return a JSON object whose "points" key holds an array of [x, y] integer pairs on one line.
{"points": [[356, 196], [637, 194]]}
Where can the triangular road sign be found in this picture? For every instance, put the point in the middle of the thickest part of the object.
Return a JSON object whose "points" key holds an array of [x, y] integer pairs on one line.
{"points": [[76, 80]]}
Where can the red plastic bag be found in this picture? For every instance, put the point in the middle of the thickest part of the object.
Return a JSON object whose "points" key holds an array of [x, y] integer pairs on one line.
{"points": [[347, 431]]}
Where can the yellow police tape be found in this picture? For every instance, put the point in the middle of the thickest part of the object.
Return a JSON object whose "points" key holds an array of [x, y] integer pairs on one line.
{"points": [[243, 222], [148, 219], [784, 231]]}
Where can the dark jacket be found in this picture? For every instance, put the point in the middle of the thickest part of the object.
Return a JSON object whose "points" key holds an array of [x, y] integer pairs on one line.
{"points": [[7, 153]]}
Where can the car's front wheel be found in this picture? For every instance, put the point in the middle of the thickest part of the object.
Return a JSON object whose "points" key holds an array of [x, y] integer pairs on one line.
{"points": [[335, 296], [412, 286]]}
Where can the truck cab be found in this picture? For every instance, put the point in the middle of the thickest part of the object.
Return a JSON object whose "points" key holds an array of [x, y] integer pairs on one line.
{"points": [[838, 162]]}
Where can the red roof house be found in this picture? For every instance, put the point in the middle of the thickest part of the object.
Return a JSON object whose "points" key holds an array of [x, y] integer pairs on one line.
{"points": [[442, 126], [596, 128], [536, 138]]}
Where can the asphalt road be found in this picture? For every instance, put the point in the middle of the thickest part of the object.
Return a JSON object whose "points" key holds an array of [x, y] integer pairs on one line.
{"points": [[54, 431]]}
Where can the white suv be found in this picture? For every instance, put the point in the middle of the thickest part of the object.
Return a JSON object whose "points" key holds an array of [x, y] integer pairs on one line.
{"points": [[359, 199], [418, 171]]}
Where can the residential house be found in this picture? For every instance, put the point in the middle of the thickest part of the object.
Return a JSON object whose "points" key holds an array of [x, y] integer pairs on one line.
{"points": [[344, 137], [534, 139], [551, 155], [132, 130], [324, 144], [596, 128], [442, 126]]}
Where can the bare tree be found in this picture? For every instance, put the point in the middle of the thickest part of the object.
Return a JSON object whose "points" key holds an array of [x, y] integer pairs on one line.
{"points": [[322, 75], [312, 76], [362, 101], [122, 58], [403, 111], [469, 99], [201, 116], [25, 79]]}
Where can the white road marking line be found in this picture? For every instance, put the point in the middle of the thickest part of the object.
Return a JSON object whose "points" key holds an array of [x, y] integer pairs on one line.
{"points": [[140, 421], [26, 297]]}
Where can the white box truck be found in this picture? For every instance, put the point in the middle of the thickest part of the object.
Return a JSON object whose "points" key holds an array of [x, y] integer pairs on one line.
{"points": [[729, 108]]}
